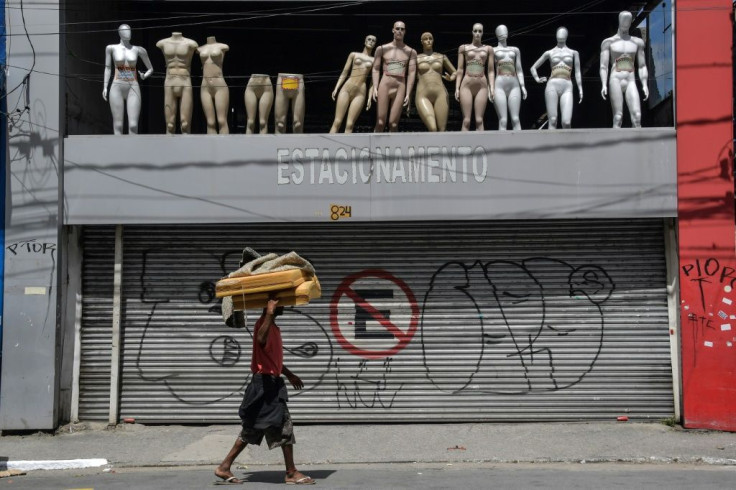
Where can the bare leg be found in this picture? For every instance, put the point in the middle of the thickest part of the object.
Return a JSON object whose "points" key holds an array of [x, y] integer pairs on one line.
{"points": [[208, 107], [223, 471], [281, 110], [515, 107], [500, 104], [251, 107], [466, 105], [185, 109], [617, 101], [550, 100], [170, 108], [426, 113], [117, 107], [479, 106], [134, 108], [566, 104], [441, 109], [222, 103], [356, 107], [298, 108], [264, 110], [343, 102], [632, 101], [292, 474], [384, 98], [396, 107]]}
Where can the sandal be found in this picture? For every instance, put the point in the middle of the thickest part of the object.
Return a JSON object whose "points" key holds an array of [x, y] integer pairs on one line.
{"points": [[304, 480]]}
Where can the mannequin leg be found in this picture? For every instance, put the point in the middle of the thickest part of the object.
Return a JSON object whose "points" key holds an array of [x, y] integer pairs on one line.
{"points": [[251, 108], [171, 105], [479, 107], [396, 107], [281, 110], [515, 106], [341, 107], [356, 107], [222, 104], [185, 108], [382, 107], [550, 101], [208, 107], [426, 113], [466, 106], [133, 104], [441, 110], [617, 101], [298, 109], [634, 105], [117, 107], [499, 102], [566, 105], [264, 109]]}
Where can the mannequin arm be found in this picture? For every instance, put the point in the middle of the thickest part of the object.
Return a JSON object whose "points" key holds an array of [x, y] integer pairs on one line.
{"points": [[108, 71], [491, 74], [460, 71], [641, 60], [343, 75], [605, 59], [143, 55], [520, 74], [450, 70], [412, 76], [536, 65], [376, 71], [370, 99], [578, 75]]}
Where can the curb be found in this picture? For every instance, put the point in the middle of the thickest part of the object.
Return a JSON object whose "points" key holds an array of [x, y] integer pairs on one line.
{"points": [[55, 464]]}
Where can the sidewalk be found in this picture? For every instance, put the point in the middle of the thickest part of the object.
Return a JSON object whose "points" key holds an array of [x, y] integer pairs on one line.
{"points": [[139, 445]]}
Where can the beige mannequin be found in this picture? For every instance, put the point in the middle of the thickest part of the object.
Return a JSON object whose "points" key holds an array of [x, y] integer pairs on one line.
{"points": [[125, 93], [431, 99], [474, 86], [352, 95], [258, 102], [214, 92], [510, 89], [290, 92], [392, 91], [178, 52]]}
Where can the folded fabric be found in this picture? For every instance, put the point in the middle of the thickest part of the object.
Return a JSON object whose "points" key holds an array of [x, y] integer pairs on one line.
{"points": [[274, 263]]}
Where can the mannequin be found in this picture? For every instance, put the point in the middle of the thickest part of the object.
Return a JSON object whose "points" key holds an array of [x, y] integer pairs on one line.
{"points": [[352, 95], [431, 99], [124, 92], [289, 91], [621, 52], [510, 87], [562, 61], [258, 102], [214, 92], [178, 52], [392, 91], [475, 82]]}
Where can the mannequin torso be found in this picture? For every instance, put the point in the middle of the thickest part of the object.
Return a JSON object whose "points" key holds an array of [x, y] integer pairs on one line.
{"points": [[178, 52]]}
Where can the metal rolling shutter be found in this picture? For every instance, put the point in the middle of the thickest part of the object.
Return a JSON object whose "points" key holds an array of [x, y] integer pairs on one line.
{"points": [[514, 321]]}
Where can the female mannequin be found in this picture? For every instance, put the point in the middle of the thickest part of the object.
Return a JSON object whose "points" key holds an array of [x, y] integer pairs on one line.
{"points": [[178, 52], [214, 92], [562, 61], [431, 98], [124, 90], [258, 102], [474, 85], [509, 81], [289, 91], [622, 51], [351, 97], [398, 64]]}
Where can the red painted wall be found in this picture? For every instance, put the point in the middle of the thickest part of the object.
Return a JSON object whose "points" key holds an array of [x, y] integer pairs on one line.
{"points": [[707, 248]]}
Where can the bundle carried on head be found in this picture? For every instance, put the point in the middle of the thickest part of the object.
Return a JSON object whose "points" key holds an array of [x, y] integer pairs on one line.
{"points": [[289, 278]]}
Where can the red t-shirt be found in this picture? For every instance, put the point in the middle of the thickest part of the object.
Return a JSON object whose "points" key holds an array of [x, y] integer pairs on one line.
{"points": [[269, 358]]}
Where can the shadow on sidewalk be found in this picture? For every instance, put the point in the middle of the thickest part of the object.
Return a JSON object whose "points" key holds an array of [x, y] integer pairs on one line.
{"points": [[278, 476]]}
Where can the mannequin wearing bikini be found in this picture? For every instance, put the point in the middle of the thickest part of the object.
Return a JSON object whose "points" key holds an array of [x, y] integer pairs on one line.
{"points": [[258, 103], [431, 98], [178, 52], [621, 53], [475, 82], [125, 92], [352, 95], [562, 61], [510, 87], [214, 91], [398, 64], [290, 92]]}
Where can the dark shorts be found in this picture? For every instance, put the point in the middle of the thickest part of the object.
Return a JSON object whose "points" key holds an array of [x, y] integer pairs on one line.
{"points": [[275, 436]]}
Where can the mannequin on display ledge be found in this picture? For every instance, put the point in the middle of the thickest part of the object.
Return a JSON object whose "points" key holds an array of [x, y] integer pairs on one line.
{"points": [[431, 98], [178, 52], [510, 88], [214, 91], [397, 62], [352, 95], [622, 52], [124, 93], [474, 86], [290, 93], [258, 102], [563, 61]]}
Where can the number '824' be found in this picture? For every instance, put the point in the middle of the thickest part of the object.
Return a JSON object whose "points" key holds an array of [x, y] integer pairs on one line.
{"points": [[338, 211]]}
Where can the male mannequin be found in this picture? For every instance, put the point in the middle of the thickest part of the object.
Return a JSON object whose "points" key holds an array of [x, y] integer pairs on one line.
{"points": [[258, 102], [352, 95], [290, 91], [621, 52], [392, 91], [510, 87], [475, 81], [124, 90], [178, 52], [214, 92], [562, 61]]}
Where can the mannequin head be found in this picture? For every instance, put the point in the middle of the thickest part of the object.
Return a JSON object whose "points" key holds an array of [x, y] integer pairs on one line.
{"points": [[427, 41], [502, 33], [561, 34], [399, 30], [624, 20], [124, 32], [477, 32], [370, 41]]}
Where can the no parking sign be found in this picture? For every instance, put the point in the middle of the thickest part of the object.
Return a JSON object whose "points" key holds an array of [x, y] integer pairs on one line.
{"points": [[373, 314]]}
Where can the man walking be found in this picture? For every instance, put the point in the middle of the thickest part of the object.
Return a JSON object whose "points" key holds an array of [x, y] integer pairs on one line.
{"points": [[264, 412]]}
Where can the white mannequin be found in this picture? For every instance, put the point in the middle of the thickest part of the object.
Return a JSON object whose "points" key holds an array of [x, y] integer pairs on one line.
{"points": [[258, 102], [562, 61], [178, 52], [475, 82], [352, 95], [214, 92], [510, 89], [621, 52], [124, 90]]}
